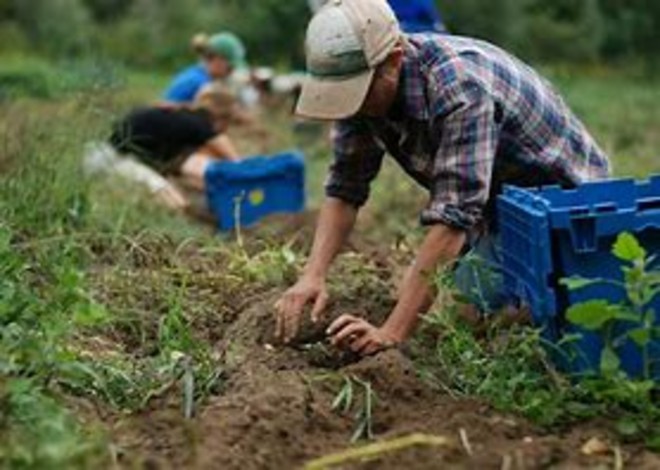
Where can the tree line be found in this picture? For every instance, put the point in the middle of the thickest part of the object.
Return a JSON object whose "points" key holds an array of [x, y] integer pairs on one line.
{"points": [[155, 33]]}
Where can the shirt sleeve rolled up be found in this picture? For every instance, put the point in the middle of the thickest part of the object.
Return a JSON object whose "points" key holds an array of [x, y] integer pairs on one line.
{"points": [[466, 121]]}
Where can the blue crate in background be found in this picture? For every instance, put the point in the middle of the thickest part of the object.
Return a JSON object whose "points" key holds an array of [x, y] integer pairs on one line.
{"points": [[553, 233], [245, 192]]}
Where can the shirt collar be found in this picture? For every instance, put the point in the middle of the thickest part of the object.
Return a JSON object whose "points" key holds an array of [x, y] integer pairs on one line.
{"points": [[412, 86]]}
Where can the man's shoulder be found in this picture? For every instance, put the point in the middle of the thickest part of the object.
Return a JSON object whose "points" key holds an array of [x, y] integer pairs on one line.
{"points": [[440, 60], [437, 48], [460, 60]]}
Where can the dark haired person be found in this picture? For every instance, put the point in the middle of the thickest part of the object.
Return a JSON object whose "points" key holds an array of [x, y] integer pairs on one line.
{"points": [[151, 144]]}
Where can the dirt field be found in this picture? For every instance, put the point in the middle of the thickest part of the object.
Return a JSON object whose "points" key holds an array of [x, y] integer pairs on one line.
{"points": [[275, 407], [110, 305]]}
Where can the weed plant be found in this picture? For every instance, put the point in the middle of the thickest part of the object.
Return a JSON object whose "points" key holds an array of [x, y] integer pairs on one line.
{"points": [[512, 369]]}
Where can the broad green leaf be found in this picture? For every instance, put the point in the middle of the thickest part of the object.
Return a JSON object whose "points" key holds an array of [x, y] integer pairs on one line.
{"points": [[591, 315], [627, 248], [641, 336], [609, 361], [577, 282]]}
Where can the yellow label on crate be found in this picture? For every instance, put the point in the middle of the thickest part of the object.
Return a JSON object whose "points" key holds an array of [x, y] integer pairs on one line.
{"points": [[256, 197]]}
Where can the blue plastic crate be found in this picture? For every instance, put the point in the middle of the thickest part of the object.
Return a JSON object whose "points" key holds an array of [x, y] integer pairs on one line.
{"points": [[245, 192], [552, 233]]}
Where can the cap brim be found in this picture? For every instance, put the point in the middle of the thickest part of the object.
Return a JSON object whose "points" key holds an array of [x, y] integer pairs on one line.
{"points": [[333, 99]]}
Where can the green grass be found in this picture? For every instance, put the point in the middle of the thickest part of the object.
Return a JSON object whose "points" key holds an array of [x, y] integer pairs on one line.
{"points": [[623, 114], [102, 298]]}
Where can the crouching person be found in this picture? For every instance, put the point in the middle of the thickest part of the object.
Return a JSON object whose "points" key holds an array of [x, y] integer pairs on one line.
{"points": [[152, 144], [462, 117]]}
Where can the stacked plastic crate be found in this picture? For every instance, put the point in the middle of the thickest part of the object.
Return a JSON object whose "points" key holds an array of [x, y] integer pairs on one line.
{"points": [[551, 234]]}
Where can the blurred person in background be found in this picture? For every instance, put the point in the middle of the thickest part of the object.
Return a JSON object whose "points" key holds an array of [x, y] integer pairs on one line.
{"points": [[152, 144], [418, 16], [221, 56], [462, 118], [415, 16]]}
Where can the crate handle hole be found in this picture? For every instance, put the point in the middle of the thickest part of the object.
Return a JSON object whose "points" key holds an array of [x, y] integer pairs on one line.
{"points": [[647, 205], [606, 208]]}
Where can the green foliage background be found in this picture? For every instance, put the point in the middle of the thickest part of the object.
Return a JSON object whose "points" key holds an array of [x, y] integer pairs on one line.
{"points": [[152, 33]]}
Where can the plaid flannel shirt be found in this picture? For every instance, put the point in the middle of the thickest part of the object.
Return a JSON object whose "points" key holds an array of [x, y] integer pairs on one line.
{"points": [[469, 117]]}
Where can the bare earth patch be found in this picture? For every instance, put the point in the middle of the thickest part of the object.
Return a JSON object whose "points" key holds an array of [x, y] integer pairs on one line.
{"points": [[275, 412]]}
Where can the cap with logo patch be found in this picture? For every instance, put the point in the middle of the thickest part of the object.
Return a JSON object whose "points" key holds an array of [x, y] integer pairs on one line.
{"points": [[346, 41]]}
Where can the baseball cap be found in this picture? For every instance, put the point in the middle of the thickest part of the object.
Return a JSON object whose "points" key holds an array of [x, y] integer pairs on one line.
{"points": [[226, 45], [346, 41]]}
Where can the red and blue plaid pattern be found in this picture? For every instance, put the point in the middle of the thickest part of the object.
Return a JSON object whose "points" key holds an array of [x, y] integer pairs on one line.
{"points": [[468, 119]]}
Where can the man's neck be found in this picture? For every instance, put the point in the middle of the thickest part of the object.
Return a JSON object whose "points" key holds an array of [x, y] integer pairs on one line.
{"points": [[397, 111]]}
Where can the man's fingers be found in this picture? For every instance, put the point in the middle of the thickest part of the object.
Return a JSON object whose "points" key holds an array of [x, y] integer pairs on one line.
{"points": [[370, 349], [292, 315], [295, 310], [298, 304], [285, 307], [340, 323], [278, 324], [358, 328], [278, 318], [360, 344], [319, 306]]}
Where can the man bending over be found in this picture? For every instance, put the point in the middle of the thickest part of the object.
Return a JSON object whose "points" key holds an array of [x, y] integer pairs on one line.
{"points": [[461, 117]]}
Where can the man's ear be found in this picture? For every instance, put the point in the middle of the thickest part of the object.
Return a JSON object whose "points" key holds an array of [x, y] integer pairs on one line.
{"points": [[396, 55]]}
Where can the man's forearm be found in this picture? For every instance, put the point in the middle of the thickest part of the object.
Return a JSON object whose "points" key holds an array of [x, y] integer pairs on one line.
{"points": [[441, 246], [336, 221]]}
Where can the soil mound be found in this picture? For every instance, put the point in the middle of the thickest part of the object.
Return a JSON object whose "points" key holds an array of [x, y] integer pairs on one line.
{"points": [[279, 410]]}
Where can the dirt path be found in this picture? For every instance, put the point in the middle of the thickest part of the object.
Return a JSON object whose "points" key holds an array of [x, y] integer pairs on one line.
{"points": [[276, 413]]}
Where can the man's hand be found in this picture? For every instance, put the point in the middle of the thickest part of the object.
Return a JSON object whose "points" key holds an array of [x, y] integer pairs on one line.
{"points": [[360, 336], [335, 223], [291, 305]]}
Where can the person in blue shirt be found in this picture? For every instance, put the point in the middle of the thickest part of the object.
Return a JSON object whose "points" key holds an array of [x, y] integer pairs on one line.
{"points": [[220, 55], [418, 16], [415, 16]]}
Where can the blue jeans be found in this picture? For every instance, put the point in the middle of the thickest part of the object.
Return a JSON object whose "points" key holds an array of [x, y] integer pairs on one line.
{"points": [[478, 275]]}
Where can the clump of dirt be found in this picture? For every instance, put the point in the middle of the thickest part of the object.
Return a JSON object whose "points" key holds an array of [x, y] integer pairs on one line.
{"points": [[276, 411]]}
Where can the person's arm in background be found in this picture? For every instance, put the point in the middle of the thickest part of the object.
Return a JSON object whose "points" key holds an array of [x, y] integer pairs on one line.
{"points": [[194, 167], [221, 147]]}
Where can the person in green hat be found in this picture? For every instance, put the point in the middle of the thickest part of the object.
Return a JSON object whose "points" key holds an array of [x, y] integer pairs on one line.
{"points": [[220, 55]]}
